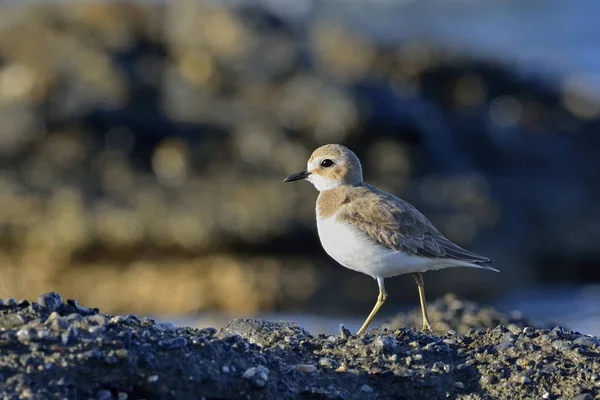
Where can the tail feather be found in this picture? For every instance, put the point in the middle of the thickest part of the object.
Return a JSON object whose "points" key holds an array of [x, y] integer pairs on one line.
{"points": [[456, 252]]}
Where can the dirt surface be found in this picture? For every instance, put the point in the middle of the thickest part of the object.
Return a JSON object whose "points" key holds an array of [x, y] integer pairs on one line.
{"points": [[56, 349]]}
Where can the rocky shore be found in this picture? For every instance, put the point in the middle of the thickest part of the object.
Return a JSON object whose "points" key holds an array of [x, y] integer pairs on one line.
{"points": [[58, 349]]}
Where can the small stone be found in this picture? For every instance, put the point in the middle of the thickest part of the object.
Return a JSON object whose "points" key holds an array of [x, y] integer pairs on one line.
{"points": [[546, 396], [366, 388], [69, 335], [97, 320], [586, 341], [96, 329], [11, 321], [386, 343], [110, 358], [328, 362], [152, 378], [561, 345], [59, 324], [210, 331], [225, 369], [104, 395], [173, 343], [306, 368], [509, 337], [51, 301], [489, 379], [121, 353], [459, 385], [163, 326], [26, 334], [583, 396], [122, 396], [10, 302], [344, 332], [549, 369], [523, 377], [257, 376], [504, 346]]}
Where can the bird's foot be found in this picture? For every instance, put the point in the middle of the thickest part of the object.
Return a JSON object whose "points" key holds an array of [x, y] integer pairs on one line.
{"points": [[427, 329]]}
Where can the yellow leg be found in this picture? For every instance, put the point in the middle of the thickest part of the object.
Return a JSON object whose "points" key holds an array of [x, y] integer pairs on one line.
{"points": [[380, 300], [421, 285]]}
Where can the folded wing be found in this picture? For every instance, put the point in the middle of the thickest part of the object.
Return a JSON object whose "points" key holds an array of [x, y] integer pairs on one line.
{"points": [[397, 225]]}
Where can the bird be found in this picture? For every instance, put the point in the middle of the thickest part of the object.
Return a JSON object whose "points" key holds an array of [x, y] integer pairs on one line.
{"points": [[374, 232]]}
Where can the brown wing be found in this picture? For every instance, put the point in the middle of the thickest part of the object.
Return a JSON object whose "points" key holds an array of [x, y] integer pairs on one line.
{"points": [[396, 224]]}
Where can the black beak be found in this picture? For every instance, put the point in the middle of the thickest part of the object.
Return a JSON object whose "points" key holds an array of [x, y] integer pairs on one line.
{"points": [[297, 177]]}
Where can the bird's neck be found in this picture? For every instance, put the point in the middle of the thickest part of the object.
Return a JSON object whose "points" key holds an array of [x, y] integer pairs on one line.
{"points": [[329, 201]]}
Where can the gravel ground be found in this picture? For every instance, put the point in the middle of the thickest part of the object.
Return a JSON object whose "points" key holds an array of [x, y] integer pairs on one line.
{"points": [[53, 349], [452, 313]]}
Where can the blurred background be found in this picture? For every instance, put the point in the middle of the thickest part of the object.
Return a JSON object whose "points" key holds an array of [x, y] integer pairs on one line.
{"points": [[143, 146]]}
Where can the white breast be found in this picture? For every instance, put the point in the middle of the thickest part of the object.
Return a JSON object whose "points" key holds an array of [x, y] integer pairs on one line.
{"points": [[353, 249]]}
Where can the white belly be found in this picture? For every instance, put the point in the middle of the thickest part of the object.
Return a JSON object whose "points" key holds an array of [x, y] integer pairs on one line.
{"points": [[354, 250]]}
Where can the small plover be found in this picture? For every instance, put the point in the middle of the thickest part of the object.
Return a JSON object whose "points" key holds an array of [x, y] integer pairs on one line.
{"points": [[371, 231]]}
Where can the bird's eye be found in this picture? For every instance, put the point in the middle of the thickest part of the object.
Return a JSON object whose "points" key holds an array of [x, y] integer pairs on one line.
{"points": [[326, 163]]}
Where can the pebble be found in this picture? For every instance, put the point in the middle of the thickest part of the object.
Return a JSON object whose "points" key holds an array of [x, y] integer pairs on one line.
{"points": [[504, 346], [328, 362], [257, 376], [97, 320], [121, 353], [306, 368], [386, 343], [104, 395], [586, 341], [51, 300], [522, 378], [11, 321], [366, 388], [561, 345], [344, 332], [70, 335], [174, 343], [583, 396]]}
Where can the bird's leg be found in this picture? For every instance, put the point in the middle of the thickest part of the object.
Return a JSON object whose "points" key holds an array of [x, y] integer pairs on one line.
{"points": [[380, 300], [421, 285]]}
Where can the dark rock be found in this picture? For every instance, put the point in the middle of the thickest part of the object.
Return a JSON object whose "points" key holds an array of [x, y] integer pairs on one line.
{"points": [[11, 321], [174, 343], [584, 396], [586, 341], [104, 395], [257, 376], [51, 301], [344, 332]]}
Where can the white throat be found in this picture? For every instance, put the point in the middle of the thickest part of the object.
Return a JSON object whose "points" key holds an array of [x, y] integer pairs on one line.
{"points": [[322, 183]]}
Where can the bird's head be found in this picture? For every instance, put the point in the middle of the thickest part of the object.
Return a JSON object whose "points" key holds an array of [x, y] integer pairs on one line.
{"points": [[330, 166]]}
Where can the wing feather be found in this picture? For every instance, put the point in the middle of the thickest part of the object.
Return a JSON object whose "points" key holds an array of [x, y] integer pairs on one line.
{"points": [[397, 225]]}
